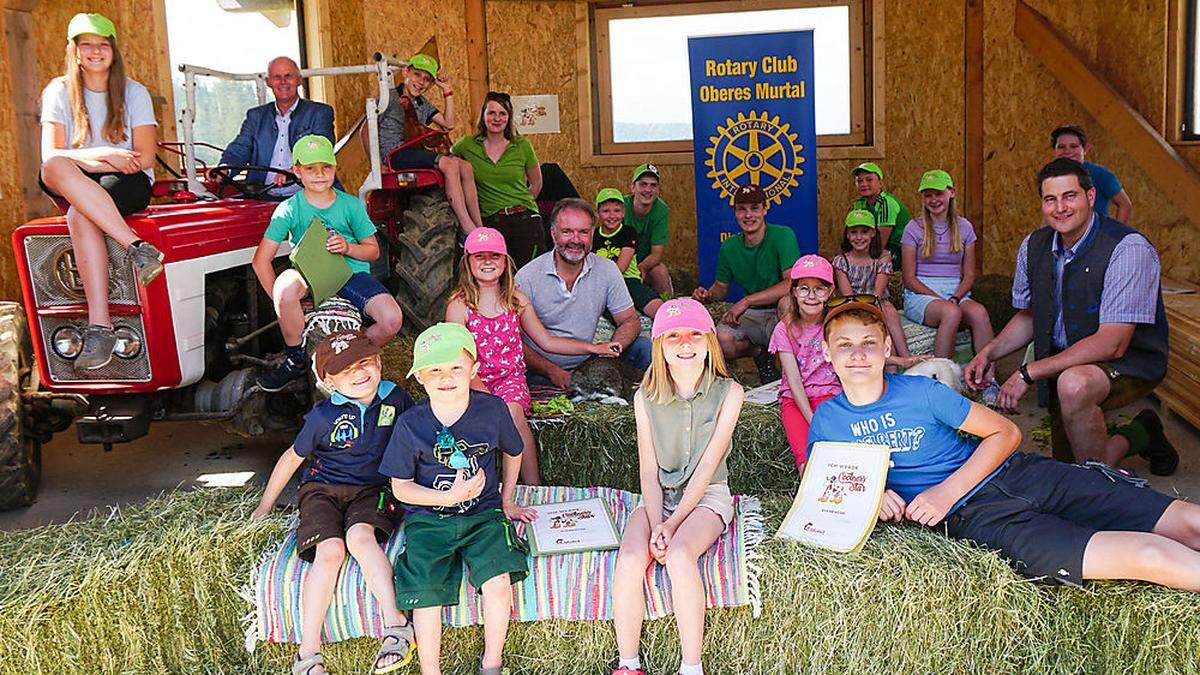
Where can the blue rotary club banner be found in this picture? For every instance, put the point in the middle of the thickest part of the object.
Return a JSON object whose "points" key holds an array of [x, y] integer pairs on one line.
{"points": [[753, 122]]}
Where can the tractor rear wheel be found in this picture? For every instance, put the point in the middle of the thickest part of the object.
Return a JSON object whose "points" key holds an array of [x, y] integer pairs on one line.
{"points": [[423, 255], [20, 455]]}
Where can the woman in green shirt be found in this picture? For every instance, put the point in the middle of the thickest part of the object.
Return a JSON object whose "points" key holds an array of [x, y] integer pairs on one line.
{"points": [[507, 177]]}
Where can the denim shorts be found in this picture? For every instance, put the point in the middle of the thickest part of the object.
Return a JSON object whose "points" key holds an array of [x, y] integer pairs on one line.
{"points": [[1040, 514], [360, 289], [915, 303]]}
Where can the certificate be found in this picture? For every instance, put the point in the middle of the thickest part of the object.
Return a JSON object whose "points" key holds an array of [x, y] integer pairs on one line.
{"points": [[838, 502], [568, 527]]}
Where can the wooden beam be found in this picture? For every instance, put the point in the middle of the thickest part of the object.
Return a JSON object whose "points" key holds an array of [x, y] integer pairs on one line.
{"points": [[477, 55], [1177, 180], [22, 74], [973, 107]]}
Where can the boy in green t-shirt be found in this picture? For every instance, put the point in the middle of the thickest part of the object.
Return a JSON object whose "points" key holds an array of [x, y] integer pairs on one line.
{"points": [[760, 260], [619, 243], [647, 214], [890, 214], [351, 234]]}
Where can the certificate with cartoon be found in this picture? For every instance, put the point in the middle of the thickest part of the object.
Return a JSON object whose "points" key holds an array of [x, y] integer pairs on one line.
{"points": [[838, 502], [567, 527]]}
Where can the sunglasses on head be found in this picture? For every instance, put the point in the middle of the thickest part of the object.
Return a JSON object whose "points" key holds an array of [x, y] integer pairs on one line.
{"points": [[839, 300], [498, 96]]}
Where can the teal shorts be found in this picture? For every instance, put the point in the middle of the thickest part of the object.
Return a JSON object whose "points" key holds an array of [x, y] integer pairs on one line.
{"points": [[429, 571]]}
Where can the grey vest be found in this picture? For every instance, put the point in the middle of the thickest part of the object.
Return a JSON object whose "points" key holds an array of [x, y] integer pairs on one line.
{"points": [[1082, 287]]}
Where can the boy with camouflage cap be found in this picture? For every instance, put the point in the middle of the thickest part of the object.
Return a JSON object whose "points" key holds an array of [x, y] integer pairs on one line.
{"points": [[343, 499], [442, 461]]}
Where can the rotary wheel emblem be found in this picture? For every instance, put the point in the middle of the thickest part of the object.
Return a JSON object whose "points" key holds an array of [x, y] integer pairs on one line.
{"points": [[754, 149]]}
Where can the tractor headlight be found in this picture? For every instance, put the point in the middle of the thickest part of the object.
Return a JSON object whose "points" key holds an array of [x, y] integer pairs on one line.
{"points": [[67, 342], [129, 343]]}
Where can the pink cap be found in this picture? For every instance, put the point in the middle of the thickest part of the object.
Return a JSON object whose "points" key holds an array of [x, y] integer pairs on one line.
{"points": [[814, 267], [682, 313], [485, 240]]}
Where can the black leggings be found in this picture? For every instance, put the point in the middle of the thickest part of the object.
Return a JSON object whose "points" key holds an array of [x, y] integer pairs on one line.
{"points": [[129, 191]]}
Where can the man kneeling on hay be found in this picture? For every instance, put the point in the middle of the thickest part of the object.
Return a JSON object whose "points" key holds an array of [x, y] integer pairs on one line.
{"points": [[1053, 521]]}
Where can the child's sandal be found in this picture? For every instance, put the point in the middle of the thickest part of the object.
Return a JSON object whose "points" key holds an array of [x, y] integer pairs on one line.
{"points": [[403, 644], [304, 666]]}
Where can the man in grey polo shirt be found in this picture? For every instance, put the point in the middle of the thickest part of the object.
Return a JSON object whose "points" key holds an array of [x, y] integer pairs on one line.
{"points": [[570, 288]]}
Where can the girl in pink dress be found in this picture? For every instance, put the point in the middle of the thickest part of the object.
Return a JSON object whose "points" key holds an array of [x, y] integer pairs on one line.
{"points": [[488, 303]]}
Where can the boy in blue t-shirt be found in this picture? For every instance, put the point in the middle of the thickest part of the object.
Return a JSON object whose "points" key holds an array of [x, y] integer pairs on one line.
{"points": [[1051, 520], [1071, 142], [352, 234], [442, 459], [343, 499]]}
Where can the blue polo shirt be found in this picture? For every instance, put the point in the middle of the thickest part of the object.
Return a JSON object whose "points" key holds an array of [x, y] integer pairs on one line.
{"points": [[347, 439], [484, 428]]}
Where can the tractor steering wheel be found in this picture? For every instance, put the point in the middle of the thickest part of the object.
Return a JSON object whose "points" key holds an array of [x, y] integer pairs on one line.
{"points": [[224, 176]]}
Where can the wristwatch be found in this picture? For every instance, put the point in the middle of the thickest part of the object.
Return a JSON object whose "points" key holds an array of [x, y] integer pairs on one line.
{"points": [[1025, 374]]}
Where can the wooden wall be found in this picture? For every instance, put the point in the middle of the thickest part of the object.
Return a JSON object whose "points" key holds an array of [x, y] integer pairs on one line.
{"points": [[531, 50], [1127, 42]]}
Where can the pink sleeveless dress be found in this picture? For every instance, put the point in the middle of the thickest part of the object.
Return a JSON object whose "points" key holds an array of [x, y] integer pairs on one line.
{"points": [[501, 355]]}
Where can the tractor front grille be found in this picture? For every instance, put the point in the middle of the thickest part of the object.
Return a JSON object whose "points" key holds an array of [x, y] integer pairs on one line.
{"points": [[54, 275], [136, 369]]}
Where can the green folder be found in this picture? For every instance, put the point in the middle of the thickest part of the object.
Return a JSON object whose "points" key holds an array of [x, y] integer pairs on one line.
{"points": [[324, 272]]}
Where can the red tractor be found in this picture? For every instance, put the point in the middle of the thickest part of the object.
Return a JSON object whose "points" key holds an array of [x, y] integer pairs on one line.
{"points": [[190, 343]]}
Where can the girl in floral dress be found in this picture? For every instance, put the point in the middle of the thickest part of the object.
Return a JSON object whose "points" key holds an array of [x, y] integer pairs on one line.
{"points": [[488, 303]]}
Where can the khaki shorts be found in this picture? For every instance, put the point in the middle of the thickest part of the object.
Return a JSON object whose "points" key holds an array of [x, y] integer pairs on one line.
{"points": [[755, 325], [716, 498]]}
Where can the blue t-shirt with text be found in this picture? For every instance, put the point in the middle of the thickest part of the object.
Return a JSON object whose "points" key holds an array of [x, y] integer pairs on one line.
{"points": [[346, 439], [918, 418], [484, 428]]}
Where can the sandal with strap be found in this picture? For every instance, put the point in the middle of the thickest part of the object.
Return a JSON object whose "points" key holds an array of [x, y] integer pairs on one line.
{"points": [[304, 666], [402, 643]]}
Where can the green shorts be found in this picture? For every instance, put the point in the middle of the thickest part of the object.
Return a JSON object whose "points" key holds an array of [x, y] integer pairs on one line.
{"points": [[429, 571], [641, 293]]}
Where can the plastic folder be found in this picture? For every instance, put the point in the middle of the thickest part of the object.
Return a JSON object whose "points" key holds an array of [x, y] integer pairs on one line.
{"points": [[324, 272]]}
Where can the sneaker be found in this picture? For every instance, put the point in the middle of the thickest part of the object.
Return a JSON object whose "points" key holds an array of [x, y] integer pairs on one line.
{"points": [[768, 371], [1159, 452], [628, 671], [280, 376], [97, 350], [147, 261]]}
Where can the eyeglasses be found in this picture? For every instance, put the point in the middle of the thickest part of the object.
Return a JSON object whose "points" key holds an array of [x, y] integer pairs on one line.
{"points": [[805, 291], [498, 96], [839, 300]]}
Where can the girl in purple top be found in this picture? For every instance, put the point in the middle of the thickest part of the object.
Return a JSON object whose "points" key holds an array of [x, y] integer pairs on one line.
{"points": [[939, 268]]}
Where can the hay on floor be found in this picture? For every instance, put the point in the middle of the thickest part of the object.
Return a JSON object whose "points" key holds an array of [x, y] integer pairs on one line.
{"points": [[156, 589]]}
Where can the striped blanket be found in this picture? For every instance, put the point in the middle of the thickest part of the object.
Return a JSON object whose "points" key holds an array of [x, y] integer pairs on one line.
{"points": [[574, 586]]}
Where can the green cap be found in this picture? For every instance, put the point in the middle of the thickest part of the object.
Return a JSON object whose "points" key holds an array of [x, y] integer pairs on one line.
{"points": [[860, 218], [424, 62], [608, 195], [935, 179], [94, 23], [441, 344], [313, 149], [868, 167], [644, 169]]}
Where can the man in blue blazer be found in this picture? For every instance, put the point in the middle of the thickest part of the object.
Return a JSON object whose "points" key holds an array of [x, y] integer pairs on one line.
{"points": [[271, 129]]}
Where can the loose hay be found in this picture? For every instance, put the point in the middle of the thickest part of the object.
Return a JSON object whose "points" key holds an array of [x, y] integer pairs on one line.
{"points": [[153, 589]]}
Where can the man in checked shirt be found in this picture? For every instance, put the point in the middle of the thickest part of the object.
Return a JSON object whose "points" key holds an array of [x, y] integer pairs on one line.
{"points": [[1088, 296]]}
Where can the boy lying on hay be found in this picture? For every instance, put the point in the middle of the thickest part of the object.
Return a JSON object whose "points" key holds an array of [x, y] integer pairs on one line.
{"points": [[1051, 520]]}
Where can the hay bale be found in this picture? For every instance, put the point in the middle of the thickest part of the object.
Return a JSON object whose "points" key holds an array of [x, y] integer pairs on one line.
{"points": [[156, 589], [994, 292]]}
